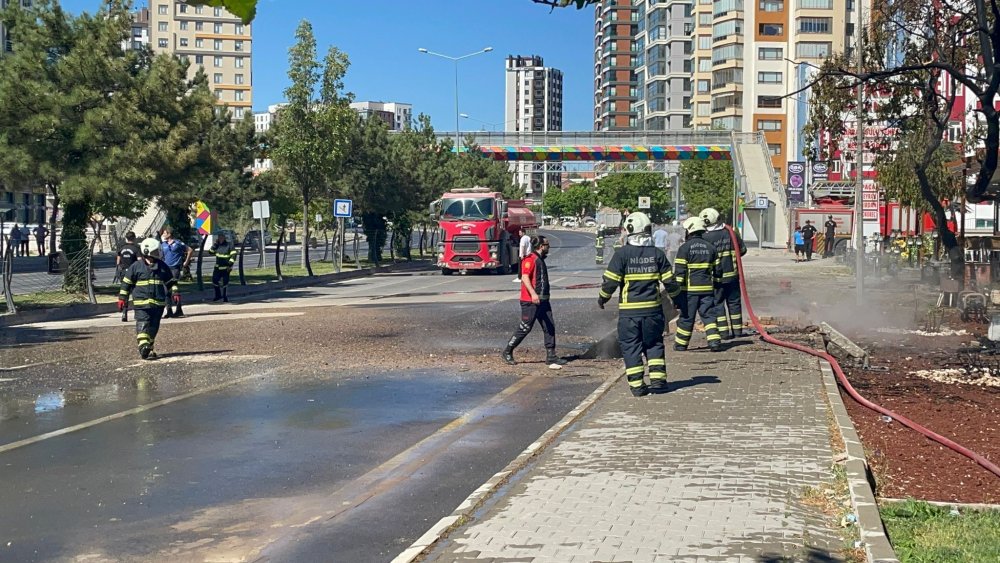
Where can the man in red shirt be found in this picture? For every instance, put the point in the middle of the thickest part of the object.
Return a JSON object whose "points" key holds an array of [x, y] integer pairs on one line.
{"points": [[535, 305]]}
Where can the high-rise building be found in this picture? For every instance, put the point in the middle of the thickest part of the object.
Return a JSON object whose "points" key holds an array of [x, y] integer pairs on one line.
{"points": [[615, 87], [5, 44], [533, 102], [396, 115], [663, 64], [139, 37], [212, 39]]}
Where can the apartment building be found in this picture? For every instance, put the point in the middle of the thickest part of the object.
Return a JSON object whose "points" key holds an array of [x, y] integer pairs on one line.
{"points": [[212, 39], [5, 44], [395, 114], [533, 101], [663, 64], [616, 24], [139, 37]]}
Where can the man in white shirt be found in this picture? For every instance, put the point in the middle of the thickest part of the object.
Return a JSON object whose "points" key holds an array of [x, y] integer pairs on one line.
{"points": [[524, 249], [660, 239]]}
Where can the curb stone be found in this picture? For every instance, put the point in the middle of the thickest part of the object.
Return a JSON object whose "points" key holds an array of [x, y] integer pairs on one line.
{"points": [[90, 310], [873, 537], [465, 510]]}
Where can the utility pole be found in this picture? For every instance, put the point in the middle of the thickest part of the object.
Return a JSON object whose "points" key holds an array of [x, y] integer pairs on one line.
{"points": [[859, 228]]}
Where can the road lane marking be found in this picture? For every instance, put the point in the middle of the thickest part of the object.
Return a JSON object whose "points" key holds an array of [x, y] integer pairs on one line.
{"points": [[140, 409]]}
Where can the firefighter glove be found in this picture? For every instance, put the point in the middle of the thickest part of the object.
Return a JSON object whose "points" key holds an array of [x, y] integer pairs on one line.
{"points": [[121, 304], [177, 299], [601, 301]]}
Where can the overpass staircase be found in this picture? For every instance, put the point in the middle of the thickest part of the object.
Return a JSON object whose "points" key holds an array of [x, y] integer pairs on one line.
{"points": [[756, 177]]}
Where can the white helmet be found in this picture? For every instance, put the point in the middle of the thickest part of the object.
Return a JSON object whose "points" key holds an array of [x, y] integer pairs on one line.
{"points": [[711, 216], [150, 247], [637, 223], [694, 224]]}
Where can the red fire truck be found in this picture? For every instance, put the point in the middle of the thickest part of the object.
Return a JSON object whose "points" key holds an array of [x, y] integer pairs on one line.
{"points": [[478, 230]]}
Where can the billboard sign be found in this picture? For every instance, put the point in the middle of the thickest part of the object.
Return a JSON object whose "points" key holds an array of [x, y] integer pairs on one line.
{"points": [[796, 182]]}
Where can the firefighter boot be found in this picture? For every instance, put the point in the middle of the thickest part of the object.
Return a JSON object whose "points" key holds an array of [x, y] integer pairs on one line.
{"points": [[680, 348], [218, 294], [145, 350], [715, 346], [640, 391], [225, 295], [552, 359], [178, 312], [508, 356], [657, 386]]}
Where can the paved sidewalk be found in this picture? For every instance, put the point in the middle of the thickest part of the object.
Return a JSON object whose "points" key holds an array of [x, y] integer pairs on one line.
{"points": [[714, 470]]}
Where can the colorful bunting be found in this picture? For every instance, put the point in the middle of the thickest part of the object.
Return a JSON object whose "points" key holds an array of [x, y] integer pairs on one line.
{"points": [[624, 153]]}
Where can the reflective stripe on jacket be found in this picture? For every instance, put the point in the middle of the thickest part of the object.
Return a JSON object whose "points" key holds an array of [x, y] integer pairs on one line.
{"points": [[725, 251], [147, 284], [638, 272], [697, 268]]}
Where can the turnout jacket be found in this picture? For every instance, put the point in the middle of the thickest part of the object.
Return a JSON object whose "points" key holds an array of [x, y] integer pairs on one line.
{"points": [[638, 271], [697, 266], [147, 284], [225, 255], [725, 251]]}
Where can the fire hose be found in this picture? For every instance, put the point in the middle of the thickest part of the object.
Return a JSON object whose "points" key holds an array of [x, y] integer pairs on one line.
{"points": [[842, 378]]}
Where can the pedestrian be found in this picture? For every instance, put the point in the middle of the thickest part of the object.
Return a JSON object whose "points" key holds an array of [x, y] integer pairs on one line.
{"points": [[698, 272], [177, 256], [800, 244], [40, 233], [25, 241], [535, 304], [151, 284], [674, 240], [808, 234], [660, 240], [225, 255], [127, 255], [830, 235], [95, 225], [15, 240], [523, 249], [637, 272], [727, 295]]}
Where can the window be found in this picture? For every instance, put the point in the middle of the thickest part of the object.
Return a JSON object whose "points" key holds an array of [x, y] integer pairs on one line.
{"points": [[816, 4], [239, 29], [720, 55], [704, 86], [199, 43], [162, 26], [238, 45], [726, 77], [954, 133], [771, 29], [723, 7], [704, 109], [239, 79], [725, 123], [217, 12], [218, 94], [815, 25], [768, 125], [217, 78], [812, 50], [183, 41], [184, 25], [772, 5], [199, 26], [768, 102], [704, 42], [984, 223], [705, 19], [239, 62], [726, 28], [161, 9], [183, 8], [705, 65], [217, 61], [217, 27], [162, 43], [199, 9], [768, 77], [199, 59], [239, 95], [238, 113], [770, 53], [774, 150]]}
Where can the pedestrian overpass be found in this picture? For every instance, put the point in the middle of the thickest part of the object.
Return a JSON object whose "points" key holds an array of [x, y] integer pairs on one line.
{"points": [[650, 151]]}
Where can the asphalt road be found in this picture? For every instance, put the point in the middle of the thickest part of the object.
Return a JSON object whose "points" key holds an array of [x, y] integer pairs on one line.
{"points": [[333, 423]]}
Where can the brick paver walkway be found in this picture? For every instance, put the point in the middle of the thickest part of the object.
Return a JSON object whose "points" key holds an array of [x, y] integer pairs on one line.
{"points": [[714, 470]]}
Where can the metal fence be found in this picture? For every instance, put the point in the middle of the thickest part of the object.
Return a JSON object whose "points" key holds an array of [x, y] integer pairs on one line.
{"points": [[34, 282]]}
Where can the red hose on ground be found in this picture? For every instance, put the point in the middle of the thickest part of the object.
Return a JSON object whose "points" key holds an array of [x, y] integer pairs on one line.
{"points": [[842, 378]]}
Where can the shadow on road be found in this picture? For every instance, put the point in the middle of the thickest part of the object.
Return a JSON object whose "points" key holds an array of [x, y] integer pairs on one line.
{"points": [[14, 336], [192, 354], [696, 380]]}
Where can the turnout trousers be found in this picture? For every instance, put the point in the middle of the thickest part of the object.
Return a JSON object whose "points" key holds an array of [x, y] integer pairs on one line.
{"points": [[702, 305], [727, 297], [638, 337], [147, 324], [220, 281], [530, 314]]}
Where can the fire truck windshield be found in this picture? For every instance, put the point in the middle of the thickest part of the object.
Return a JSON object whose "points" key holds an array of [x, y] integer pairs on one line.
{"points": [[467, 208]]}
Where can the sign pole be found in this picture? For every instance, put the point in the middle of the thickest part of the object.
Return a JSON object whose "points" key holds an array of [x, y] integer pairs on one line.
{"points": [[341, 239], [263, 255]]}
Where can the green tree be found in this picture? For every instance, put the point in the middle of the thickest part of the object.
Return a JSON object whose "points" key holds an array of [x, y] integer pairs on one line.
{"points": [[622, 190], [580, 199], [372, 180], [554, 203], [311, 136], [708, 183]]}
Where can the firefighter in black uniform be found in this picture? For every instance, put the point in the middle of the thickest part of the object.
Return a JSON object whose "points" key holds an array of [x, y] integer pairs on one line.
{"points": [[698, 272], [727, 295], [148, 281], [638, 269], [225, 256]]}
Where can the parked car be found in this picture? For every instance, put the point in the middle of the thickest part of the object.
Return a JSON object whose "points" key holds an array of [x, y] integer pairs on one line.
{"points": [[569, 222], [589, 222]]}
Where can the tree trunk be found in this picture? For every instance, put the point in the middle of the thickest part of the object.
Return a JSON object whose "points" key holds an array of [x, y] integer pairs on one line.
{"points": [[977, 193], [52, 218], [956, 257], [75, 216], [305, 237]]}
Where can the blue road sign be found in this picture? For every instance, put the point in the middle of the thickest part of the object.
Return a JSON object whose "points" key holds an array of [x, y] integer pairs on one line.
{"points": [[343, 207]]}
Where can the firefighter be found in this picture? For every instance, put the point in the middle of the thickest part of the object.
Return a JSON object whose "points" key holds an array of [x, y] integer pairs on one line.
{"points": [[637, 270], [151, 284], [727, 295], [599, 245], [225, 255], [698, 272], [535, 304]]}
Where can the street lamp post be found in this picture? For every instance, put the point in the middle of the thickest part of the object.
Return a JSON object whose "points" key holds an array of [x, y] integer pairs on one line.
{"points": [[458, 139]]}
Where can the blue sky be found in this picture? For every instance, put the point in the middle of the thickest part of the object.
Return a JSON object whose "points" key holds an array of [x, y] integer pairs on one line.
{"points": [[381, 37]]}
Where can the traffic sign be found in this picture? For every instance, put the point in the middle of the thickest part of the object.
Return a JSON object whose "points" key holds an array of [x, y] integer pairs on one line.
{"points": [[261, 209], [643, 202], [343, 207], [762, 202]]}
